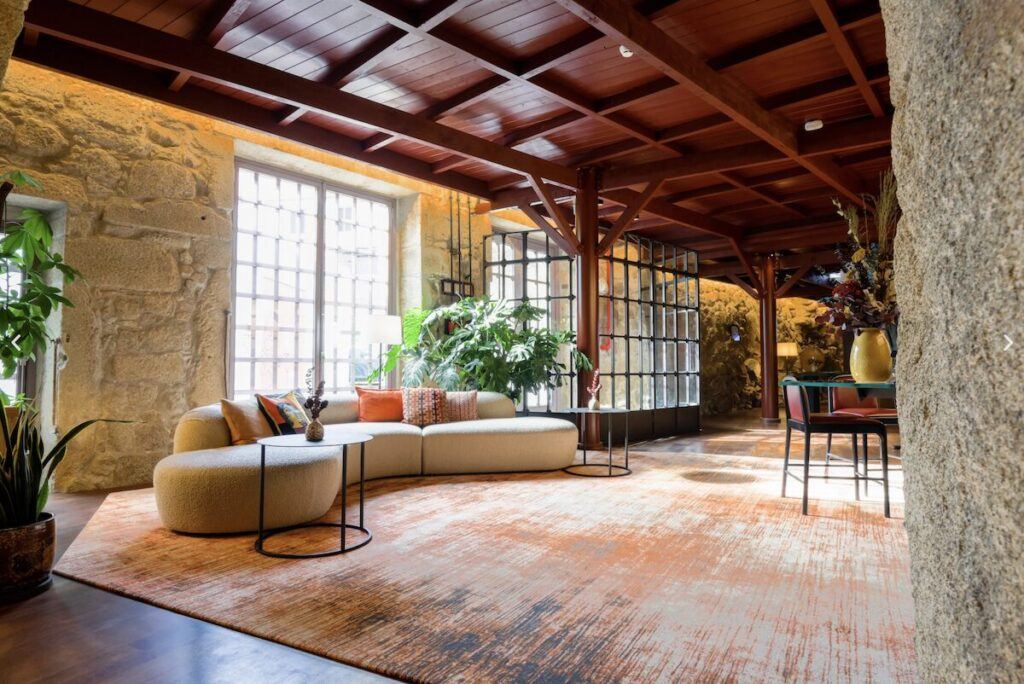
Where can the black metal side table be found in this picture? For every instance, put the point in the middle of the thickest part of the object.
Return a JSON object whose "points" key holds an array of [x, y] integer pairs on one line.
{"points": [[614, 470], [299, 442]]}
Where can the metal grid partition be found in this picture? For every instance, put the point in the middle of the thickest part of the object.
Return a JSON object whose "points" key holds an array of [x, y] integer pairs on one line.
{"points": [[527, 266], [649, 325]]}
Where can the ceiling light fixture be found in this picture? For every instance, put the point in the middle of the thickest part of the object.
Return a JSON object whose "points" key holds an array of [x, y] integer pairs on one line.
{"points": [[813, 125], [625, 51]]}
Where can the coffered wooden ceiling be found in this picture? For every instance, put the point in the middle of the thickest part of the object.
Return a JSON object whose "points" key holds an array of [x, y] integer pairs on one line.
{"points": [[492, 97]]}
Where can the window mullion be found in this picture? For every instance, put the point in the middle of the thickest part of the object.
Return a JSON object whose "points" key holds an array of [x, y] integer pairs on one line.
{"points": [[318, 306]]}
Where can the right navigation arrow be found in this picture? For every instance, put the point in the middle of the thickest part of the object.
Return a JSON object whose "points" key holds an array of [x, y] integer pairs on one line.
{"points": [[1009, 342]]}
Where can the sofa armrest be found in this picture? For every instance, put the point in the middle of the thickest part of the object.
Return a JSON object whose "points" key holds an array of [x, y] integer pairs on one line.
{"points": [[201, 428]]}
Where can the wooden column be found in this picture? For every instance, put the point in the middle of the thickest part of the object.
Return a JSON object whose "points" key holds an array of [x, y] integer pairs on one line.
{"points": [[769, 346], [586, 286]]}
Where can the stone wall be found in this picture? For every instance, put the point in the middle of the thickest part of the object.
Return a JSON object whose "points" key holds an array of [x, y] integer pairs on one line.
{"points": [[149, 192], [730, 371], [958, 153]]}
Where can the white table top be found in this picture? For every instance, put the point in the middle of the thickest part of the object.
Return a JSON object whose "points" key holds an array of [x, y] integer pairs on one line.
{"points": [[335, 439]]}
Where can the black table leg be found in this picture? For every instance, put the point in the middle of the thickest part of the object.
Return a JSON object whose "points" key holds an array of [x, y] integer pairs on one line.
{"points": [[344, 490], [263, 472]]}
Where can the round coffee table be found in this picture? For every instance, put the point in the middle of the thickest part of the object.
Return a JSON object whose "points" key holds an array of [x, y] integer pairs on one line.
{"points": [[619, 470], [300, 442]]}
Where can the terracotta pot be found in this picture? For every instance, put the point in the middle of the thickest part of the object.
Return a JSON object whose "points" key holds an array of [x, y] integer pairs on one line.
{"points": [[871, 356], [26, 558]]}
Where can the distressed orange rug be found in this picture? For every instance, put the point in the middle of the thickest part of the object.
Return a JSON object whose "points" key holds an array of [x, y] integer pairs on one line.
{"points": [[691, 569]]}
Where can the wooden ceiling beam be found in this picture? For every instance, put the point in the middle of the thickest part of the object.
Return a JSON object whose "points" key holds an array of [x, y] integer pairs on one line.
{"points": [[745, 286], [793, 279], [95, 66], [629, 212], [833, 139], [551, 231], [97, 30], [823, 257], [341, 73], [554, 210], [848, 53], [442, 108], [680, 215], [627, 26], [219, 20], [878, 73]]}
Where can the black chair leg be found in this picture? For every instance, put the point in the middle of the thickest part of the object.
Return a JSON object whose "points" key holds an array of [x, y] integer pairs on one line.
{"points": [[865, 452], [807, 466], [885, 472], [856, 470], [785, 460], [828, 452]]}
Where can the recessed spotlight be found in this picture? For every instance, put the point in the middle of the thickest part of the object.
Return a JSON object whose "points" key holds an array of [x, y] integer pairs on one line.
{"points": [[625, 51], [813, 125]]}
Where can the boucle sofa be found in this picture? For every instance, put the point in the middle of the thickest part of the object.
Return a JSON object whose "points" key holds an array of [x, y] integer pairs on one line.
{"points": [[208, 486]]}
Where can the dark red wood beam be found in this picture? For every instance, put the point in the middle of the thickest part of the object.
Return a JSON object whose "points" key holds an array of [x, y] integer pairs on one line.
{"points": [[630, 212], [221, 19], [442, 108], [96, 67], [769, 343], [823, 257], [833, 139], [793, 279], [743, 285], [736, 101], [555, 211], [878, 73], [100, 31], [553, 232], [848, 53]]}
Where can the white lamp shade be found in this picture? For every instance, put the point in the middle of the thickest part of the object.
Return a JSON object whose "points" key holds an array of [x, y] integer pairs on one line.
{"points": [[380, 329], [787, 349]]}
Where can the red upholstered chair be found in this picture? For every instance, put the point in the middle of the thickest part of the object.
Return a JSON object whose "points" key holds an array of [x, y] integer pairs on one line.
{"points": [[800, 418], [846, 401]]}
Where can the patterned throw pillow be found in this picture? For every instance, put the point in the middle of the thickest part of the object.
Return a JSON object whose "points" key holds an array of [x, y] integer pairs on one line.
{"points": [[462, 406], [284, 412], [423, 406]]}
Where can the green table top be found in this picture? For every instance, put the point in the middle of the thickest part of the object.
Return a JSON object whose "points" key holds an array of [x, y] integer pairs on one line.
{"points": [[841, 383]]}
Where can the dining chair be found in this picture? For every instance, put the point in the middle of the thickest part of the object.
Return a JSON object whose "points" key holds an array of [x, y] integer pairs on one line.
{"points": [[847, 401], [800, 418]]}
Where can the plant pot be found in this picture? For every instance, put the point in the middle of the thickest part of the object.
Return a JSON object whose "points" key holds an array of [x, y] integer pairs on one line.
{"points": [[26, 558], [594, 404], [871, 356], [315, 431]]}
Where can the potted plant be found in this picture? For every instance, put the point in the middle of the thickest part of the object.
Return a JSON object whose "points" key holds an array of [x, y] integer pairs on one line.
{"points": [[27, 264], [483, 344], [27, 532], [864, 299]]}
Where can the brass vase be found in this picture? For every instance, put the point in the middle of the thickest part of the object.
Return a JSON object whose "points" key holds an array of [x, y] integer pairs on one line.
{"points": [[871, 356], [26, 557], [315, 431]]}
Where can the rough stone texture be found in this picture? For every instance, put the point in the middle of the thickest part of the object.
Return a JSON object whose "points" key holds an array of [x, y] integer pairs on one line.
{"points": [[958, 151], [730, 371], [149, 192], [12, 18]]}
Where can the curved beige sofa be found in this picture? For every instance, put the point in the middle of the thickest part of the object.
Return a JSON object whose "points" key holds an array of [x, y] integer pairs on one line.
{"points": [[208, 486]]}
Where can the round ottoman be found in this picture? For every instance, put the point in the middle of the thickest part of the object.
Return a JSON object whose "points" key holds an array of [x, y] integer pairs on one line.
{"points": [[217, 491]]}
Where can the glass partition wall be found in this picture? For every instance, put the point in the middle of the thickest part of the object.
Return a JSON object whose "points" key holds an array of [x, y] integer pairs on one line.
{"points": [[648, 320]]}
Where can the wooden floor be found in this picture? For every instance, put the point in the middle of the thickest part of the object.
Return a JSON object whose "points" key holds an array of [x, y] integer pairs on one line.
{"points": [[78, 633]]}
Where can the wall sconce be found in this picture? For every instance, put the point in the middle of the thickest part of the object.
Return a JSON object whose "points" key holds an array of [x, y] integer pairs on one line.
{"points": [[734, 332]]}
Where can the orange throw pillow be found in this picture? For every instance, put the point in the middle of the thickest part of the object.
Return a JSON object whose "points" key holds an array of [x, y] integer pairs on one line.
{"points": [[245, 422], [379, 406]]}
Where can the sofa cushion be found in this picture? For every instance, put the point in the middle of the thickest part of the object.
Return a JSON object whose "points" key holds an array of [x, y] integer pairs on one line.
{"points": [[245, 421], [498, 445], [494, 405], [424, 406], [284, 413], [396, 449], [462, 406], [379, 406]]}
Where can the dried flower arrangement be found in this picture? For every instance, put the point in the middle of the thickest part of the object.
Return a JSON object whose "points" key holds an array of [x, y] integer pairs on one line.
{"points": [[865, 296], [315, 403], [594, 390]]}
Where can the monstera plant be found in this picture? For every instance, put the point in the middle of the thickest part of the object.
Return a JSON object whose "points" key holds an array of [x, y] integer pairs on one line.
{"points": [[483, 344]]}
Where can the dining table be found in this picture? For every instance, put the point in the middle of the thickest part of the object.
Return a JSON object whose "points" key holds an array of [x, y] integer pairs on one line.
{"points": [[865, 390]]}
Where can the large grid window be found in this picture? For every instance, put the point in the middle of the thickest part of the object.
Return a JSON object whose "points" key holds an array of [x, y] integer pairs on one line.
{"points": [[310, 260], [527, 266], [649, 327]]}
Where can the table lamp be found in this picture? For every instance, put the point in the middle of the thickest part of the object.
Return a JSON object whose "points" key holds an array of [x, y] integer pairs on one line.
{"points": [[787, 350], [380, 329]]}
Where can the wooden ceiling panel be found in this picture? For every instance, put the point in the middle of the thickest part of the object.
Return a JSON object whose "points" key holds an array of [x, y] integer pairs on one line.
{"points": [[715, 28], [602, 71], [180, 17], [518, 29]]}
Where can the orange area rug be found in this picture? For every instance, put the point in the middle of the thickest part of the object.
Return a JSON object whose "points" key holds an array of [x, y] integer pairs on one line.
{"points": [[690, 569]]}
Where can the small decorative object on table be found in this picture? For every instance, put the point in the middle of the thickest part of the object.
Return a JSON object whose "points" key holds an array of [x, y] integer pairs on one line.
{"points": [[315, 403], [594, 390]]}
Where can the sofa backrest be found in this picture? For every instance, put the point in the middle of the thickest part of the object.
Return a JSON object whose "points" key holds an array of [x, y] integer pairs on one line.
{"points": [[205, 428]]}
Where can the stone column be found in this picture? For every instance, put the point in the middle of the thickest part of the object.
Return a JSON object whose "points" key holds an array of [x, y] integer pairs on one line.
{"points": [[957, 82], [12, 18]]}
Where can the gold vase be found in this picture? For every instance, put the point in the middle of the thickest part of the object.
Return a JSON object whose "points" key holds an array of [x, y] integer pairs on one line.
{"points": [[315, 431], [871, 356]]}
